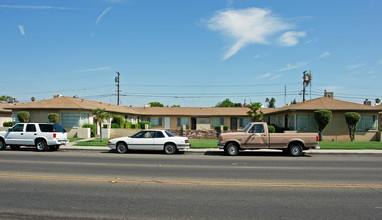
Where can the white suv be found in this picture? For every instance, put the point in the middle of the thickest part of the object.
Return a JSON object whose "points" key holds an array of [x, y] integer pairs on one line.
{"points": [[42, 135]]}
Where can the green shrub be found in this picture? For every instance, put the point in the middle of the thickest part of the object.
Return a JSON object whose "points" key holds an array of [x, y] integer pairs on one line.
{"points": [[127, 125], [93, 129], [352, 119], [271, 129], [7, 124], [104, 126], [118, 119], [379, 128], [143, 123], [54, 117], [135, 126], [115, 125], [225, 127], [323, 118], [23, 116]]}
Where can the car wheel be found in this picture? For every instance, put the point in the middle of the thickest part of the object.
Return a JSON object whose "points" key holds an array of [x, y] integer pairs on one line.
{"points": [[232, 149], [170, 149], [15, 147], [54, 148], [295, 150], [41, 145], [121, 148], [2, 145]]}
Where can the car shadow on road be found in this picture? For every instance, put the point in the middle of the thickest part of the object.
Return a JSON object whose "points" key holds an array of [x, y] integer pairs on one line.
{"points": [[253, 154], [147, 152]]}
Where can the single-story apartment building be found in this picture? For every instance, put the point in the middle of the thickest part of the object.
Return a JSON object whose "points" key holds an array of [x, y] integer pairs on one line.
{"points": [[195, 118], [300, 118], [75, 112]]}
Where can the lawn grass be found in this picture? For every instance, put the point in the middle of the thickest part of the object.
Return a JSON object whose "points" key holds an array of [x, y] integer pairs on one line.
{"points": [[371, 145], [74, 139], [94, 142], [204, 143]]}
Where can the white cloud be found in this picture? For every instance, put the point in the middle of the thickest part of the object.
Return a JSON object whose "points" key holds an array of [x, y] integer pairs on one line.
{"points": [[265, 75], [380, 62], [354, 66], [290, 38], [33, 7], [21, 29], [292, 67], [325, 54], [257, 56], [276, 76], [102, 14], [246, 26], [93, 69]]}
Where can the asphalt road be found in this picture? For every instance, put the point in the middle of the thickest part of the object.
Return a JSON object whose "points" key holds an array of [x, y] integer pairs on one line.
{"points": [[151, 185]]}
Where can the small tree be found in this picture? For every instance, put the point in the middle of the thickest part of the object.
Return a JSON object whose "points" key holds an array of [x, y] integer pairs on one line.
{"points": [[100, 115], [54, 117], [118, 119], [23, 116], [156, 104], [352, 119], [323, 118], [33, 99], [255, 111]]}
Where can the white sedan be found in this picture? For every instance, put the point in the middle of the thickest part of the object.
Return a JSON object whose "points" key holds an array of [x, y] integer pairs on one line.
{"points": [[150, 140]]}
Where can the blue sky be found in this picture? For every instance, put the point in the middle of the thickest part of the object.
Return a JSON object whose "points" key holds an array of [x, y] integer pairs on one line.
{"points": [[190, 52]]}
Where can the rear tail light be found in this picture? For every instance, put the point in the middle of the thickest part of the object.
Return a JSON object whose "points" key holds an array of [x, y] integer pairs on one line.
{"points": [[220, 138], [54, 135], [186, 141], [317, 139]]}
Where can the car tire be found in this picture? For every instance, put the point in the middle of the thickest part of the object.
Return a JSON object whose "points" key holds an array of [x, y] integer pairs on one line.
{"points": [[41, 145], [2, 145], [15, 147], [231, 149], [170, 148], [121, 148], [295, 150]]}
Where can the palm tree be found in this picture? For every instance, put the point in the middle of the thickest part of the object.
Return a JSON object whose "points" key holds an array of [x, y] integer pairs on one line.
{"points": [[255, 111], [100, 115]]}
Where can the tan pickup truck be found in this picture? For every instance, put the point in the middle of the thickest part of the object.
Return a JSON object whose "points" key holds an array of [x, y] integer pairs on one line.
{"points": [[256, 136]]}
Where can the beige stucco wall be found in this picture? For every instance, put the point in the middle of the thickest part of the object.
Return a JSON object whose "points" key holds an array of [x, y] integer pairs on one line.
{"points": [[5, 117]]}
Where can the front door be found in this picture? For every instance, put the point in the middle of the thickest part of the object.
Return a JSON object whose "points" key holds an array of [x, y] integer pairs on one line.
{"points": [[145, 141], [167, 123], [257, 138], [193, 123], [15, 135], [233, 124]]}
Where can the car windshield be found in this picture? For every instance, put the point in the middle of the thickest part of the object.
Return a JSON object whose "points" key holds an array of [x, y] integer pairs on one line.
{"points": [[169, 134], [245, 129], [138, 135]]}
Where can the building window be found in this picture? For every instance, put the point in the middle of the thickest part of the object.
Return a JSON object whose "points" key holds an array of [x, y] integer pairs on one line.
{"points": [[181, 121], [291, 122], [15, 119], [367, 122], [217, 121], [74, 119], [244, 121], [155, 121], [306, 122]]}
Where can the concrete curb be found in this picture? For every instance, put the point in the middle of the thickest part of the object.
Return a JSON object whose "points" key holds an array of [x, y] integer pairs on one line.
{"points": [[215, 150]]}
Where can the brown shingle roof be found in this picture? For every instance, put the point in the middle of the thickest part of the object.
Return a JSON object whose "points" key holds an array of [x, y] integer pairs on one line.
{"points": [[327, 104], [194, 111], [2, 106], [65, 102]]}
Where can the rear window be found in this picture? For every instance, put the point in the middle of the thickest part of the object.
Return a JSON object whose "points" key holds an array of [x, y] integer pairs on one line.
{"points": [[46, 127], [51, 128]]}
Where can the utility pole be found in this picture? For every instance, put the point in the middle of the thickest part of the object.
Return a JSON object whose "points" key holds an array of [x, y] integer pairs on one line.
{"points": [[307, 77], [117, 82]]}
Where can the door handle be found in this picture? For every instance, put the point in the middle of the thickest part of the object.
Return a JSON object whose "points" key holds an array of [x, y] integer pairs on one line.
{"points": [[21, 134], [35, 134]]}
